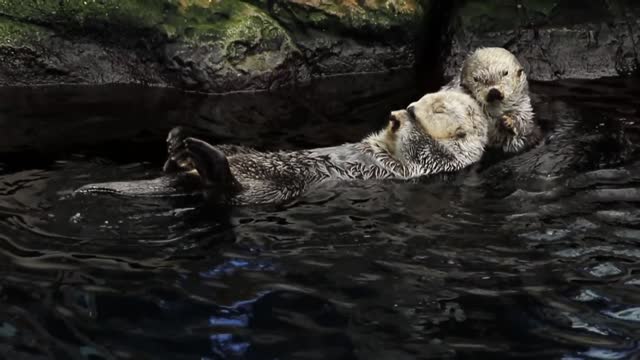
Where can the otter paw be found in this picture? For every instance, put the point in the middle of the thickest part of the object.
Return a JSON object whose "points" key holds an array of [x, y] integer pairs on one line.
{"points": [[508, 123], [178, 156], [175, 140]]}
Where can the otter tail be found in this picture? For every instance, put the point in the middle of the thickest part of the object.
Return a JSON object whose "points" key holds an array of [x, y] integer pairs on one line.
{"points": [[163, 186], [214, 176]]}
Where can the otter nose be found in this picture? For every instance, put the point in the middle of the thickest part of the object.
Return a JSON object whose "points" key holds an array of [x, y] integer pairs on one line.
{"points": [[494, 94]]}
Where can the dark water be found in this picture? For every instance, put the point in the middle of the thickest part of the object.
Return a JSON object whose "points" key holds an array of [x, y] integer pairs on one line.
{"points": [[536, 256]]}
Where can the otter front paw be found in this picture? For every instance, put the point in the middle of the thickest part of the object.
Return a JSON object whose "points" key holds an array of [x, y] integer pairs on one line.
{"points": [[507, 123], [178, 157]]}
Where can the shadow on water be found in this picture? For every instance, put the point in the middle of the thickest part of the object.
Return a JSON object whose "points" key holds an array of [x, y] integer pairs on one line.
{"points": [[533, 256]]}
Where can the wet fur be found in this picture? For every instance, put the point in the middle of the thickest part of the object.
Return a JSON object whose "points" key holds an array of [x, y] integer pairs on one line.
{"points": [[512, 128], [422, 140]]}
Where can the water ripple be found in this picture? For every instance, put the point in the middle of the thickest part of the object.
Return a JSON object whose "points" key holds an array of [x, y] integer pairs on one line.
{"points": [[532, 256]]}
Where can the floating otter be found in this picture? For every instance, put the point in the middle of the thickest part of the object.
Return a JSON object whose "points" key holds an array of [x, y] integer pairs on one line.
{"points": [[496, 79], [441, 132]]}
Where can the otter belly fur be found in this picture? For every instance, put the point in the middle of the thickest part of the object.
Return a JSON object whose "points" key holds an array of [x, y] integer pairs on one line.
{"points": [[441, 132], [496, 80]]}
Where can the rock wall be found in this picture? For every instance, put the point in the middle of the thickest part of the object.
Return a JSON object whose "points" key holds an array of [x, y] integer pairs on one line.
{"points": [[235, 45], [554, 39], [205, 45]]}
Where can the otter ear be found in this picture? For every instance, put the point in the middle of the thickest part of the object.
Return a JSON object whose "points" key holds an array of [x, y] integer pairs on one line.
{"points": [[520, 72]]}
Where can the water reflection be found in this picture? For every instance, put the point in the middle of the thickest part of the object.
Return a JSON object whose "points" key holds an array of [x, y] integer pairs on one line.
{"points": [[532, 256]]}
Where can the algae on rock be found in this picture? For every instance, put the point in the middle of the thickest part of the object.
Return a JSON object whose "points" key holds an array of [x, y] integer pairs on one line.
{"points": [[218, 46], [231, 40]]}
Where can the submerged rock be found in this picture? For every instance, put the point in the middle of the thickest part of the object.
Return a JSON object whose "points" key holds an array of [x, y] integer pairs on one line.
{"points": [[215, 46], [553, 39]]}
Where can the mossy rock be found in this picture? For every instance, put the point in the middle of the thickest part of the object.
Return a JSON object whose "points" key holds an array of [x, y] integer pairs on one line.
{"points": [[15, 33], [173, 18], [370, 17], [209, 45], [89, 13], [228, 39]]}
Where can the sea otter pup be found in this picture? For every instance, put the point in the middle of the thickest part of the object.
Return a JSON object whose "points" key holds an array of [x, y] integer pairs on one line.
{"points": [[441, 132], [496, 79]]}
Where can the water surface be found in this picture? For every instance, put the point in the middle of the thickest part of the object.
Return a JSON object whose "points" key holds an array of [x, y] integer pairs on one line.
{"points": [[535, 256]]}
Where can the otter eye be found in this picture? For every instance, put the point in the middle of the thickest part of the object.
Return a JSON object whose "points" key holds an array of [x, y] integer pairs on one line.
{"points": [[505, 72], [520, 71], [476, 78], [460, 134], [439, 110]]}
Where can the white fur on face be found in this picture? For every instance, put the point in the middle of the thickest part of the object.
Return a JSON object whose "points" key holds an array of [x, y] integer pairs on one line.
{"points": [[451, 118], [493, 68], [449, 115]]}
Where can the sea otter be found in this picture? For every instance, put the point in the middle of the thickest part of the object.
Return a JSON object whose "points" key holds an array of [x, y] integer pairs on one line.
{"points": [[495, 78], [442, 132]]}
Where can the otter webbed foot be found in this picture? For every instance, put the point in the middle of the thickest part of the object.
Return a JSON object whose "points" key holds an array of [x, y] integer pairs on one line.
{"points": [[211, 163]]}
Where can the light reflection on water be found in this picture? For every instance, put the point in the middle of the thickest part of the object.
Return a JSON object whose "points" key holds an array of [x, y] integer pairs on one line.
{"points": [[534, 256]]}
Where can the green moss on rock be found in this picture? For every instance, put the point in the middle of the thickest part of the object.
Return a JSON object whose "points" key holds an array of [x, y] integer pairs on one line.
{"points": [[237, 33], [15, 33], [364, 17], [87, 13], [192, 20], [227, 19], [212, 45]]}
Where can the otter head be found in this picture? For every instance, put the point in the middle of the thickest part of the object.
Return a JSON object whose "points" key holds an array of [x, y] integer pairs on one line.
{"points": [[494, 77], [450, 122]]}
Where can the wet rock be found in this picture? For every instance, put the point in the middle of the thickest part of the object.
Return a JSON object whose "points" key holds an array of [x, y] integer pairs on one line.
{"points": [[33, 55], [349, 36], [213, 46], [553, 39]]}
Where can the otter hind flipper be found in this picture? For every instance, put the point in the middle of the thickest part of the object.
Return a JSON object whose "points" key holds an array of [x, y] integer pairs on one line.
{"points": [[212, 164]]}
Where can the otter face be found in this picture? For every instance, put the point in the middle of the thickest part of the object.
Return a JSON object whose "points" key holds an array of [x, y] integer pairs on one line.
{"points": [[452, 119], [493, 76]]}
